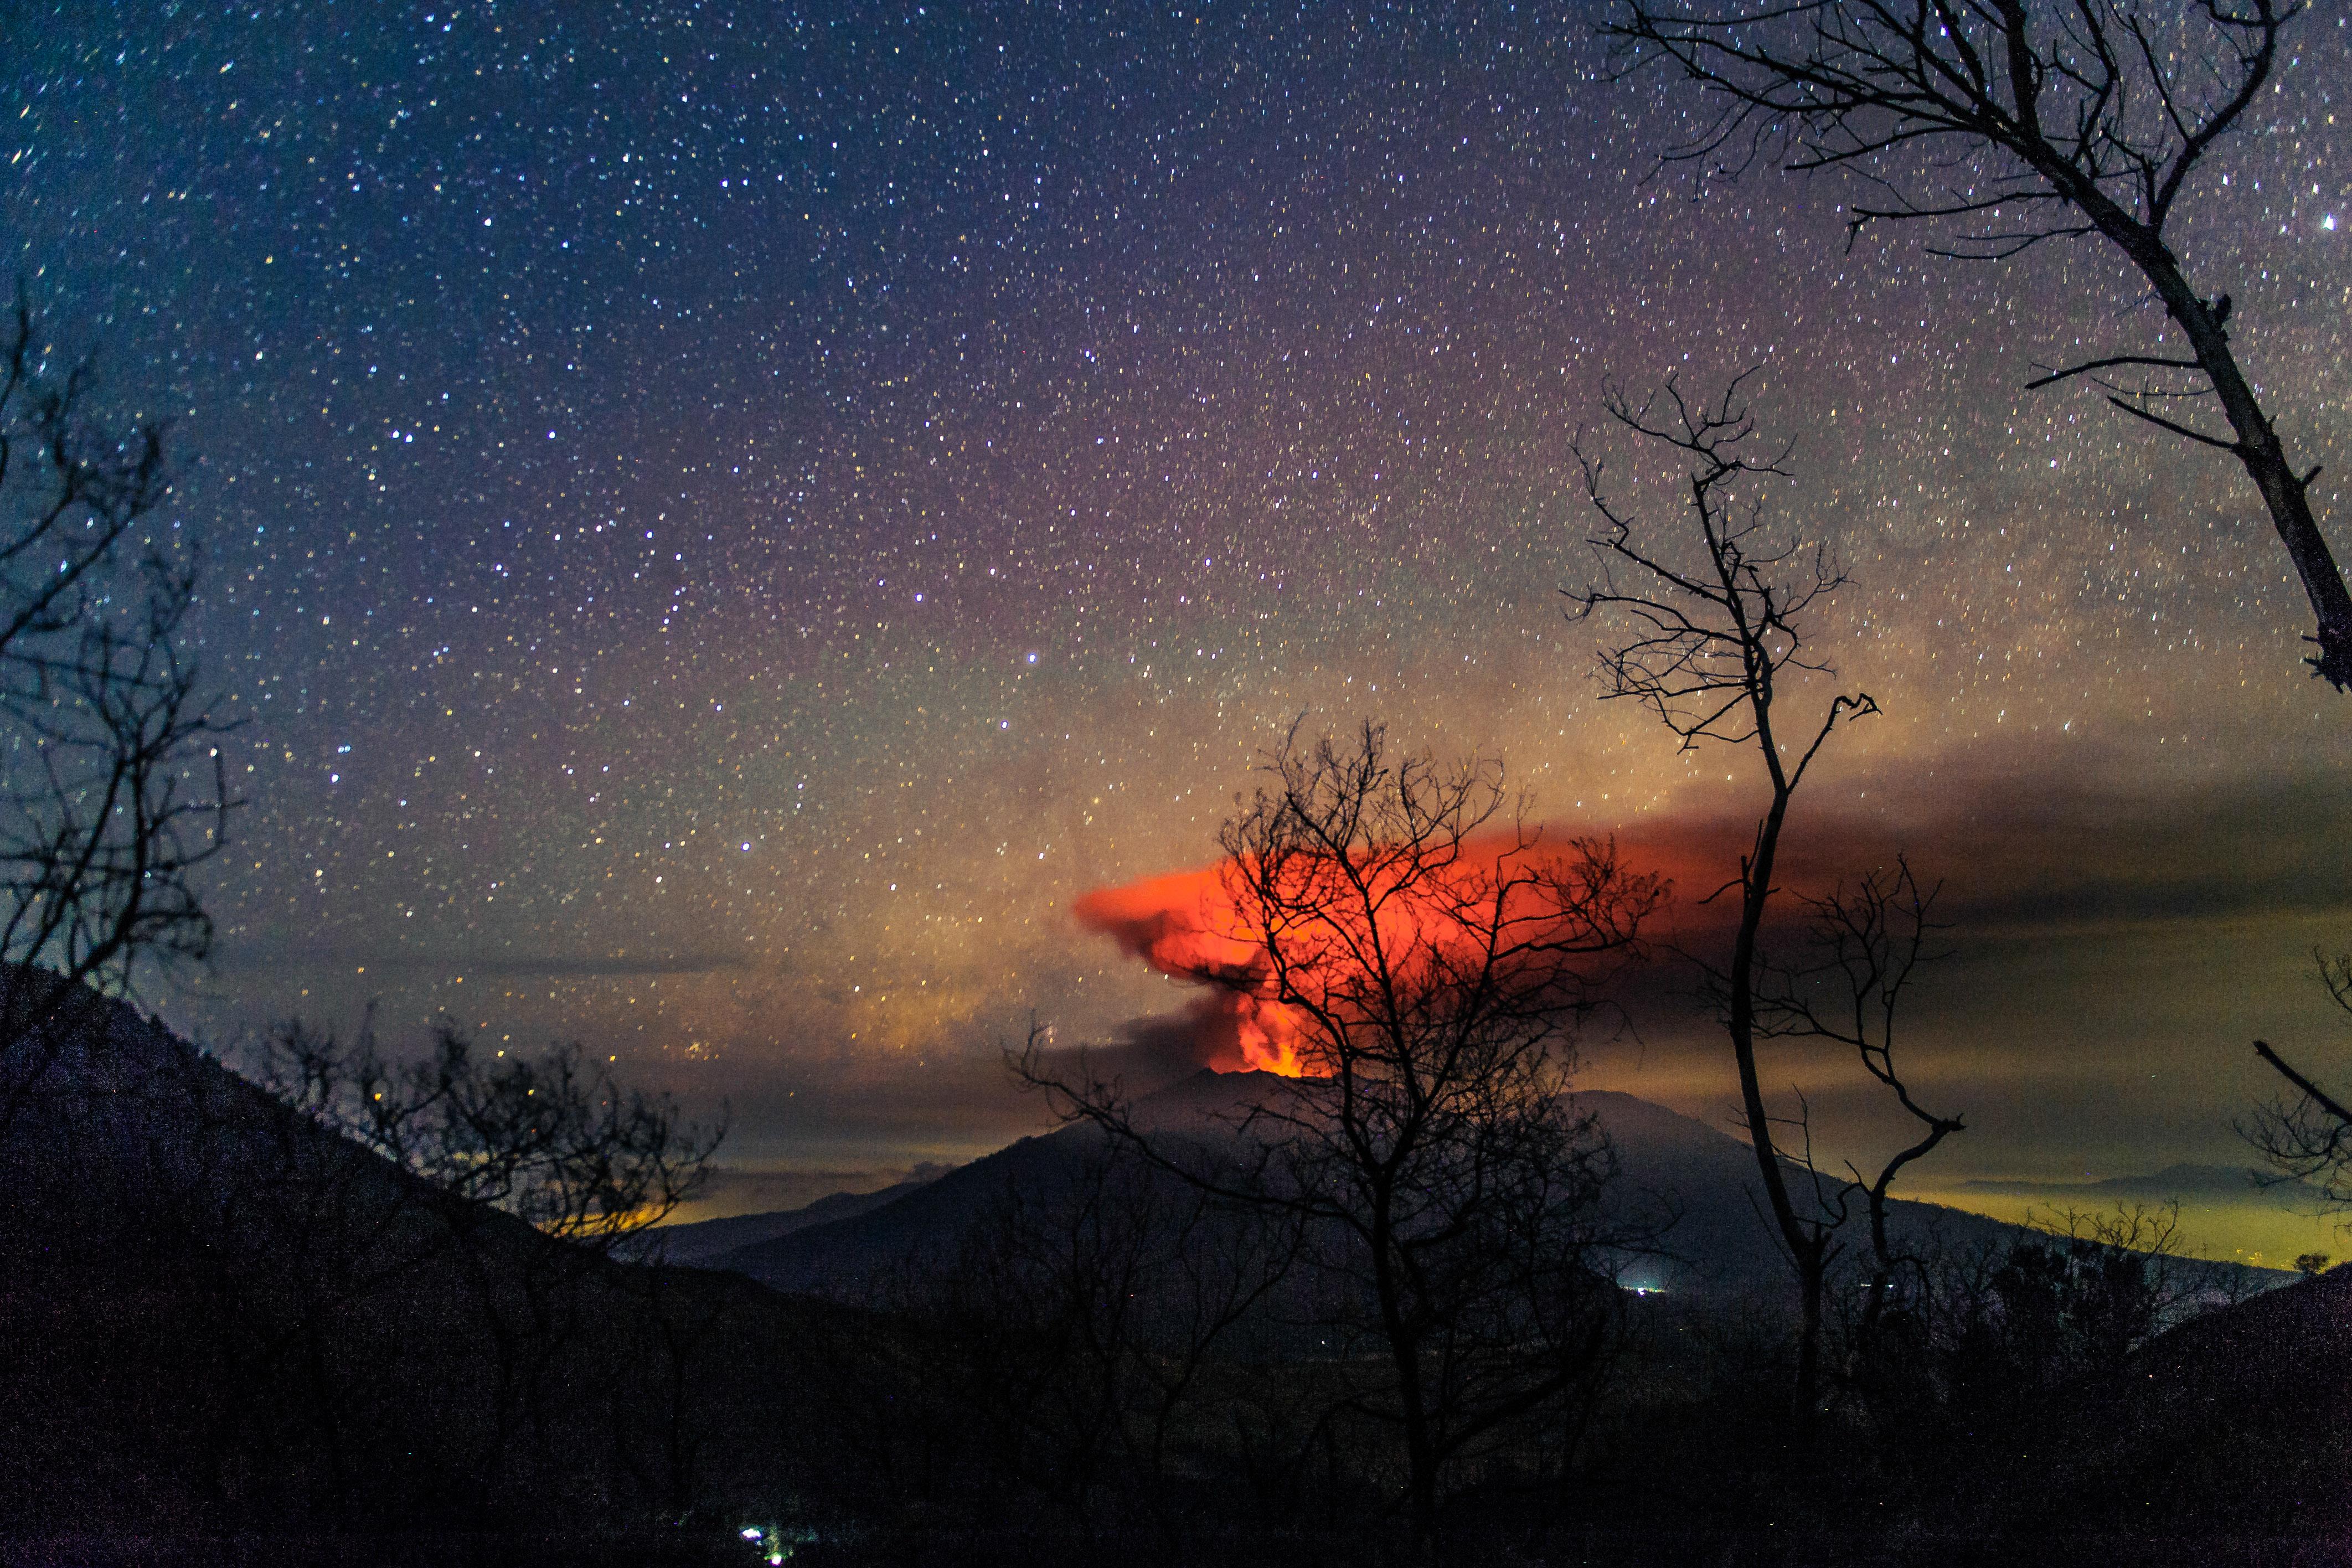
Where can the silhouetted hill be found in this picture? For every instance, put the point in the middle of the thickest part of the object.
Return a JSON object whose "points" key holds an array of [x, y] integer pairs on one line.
{"points": [[1674, 1172], [2184, 1182], [700, 1241], [840, 1255], [229, 1335], [2227, 1440], [226, 1328]]}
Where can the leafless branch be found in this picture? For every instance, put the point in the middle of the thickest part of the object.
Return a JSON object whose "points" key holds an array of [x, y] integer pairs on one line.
{"points": [[2162, 422], [113, 788], [2081, 117], [2108, 363], [1706, 648], [1420, 956]]}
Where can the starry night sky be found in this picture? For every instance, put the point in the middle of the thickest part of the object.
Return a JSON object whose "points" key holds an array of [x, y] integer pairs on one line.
{"points": [[722, 521]]}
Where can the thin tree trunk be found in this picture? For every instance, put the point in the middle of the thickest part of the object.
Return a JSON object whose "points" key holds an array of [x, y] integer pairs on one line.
{"points": [[2257, 447], [1804, 1249]]}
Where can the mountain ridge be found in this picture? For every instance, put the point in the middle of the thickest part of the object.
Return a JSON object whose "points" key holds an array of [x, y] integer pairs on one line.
{"points": [[696, 1241], [1668, 1164], [2180, 1180]]}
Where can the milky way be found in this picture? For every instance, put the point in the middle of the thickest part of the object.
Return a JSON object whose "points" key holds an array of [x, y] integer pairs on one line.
{"points": [[722, 522]]}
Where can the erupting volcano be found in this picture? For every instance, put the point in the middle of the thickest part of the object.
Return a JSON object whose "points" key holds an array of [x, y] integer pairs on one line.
{"points": [[1379, 930], [1188, 925]]}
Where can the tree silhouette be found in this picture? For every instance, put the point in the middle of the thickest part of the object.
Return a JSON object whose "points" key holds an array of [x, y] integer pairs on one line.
{"points": [[552, 1140], [2308, 1139], [1869, 937], [1713, 635], [1432, 954], [112, 786], [2016, 121]]}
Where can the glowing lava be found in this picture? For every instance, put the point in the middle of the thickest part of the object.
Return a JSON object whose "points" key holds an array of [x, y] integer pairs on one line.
{"points": [[1427, 922], [1186, 925]]}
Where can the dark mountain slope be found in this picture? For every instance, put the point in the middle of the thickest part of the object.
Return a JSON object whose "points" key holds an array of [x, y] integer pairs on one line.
{"points": [[846, 1256], [1673, 1172], [2227, 1440], [700, 1241], [221, 1322]]}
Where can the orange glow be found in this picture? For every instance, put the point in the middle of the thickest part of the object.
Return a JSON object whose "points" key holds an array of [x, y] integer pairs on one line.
{"points": [[1188, 925], [1185, 924]]}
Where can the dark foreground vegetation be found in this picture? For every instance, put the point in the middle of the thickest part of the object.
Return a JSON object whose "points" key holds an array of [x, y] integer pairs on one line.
{"points": [[234, 1333], [349, 1307]]}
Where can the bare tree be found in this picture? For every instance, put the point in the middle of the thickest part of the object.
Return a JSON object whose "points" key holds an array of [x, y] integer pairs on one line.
{"points": [[1715, 633], [112, 787], [2012, 122], [2308, 1139], [1065, 1342], [1431, 955], [553, 1141], [1869, 938]]}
